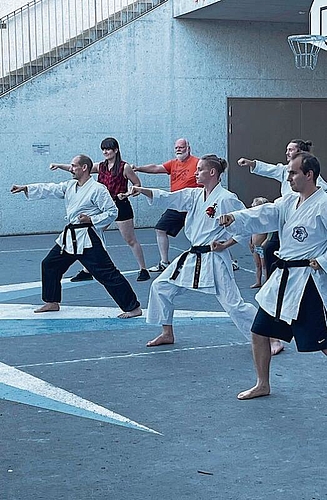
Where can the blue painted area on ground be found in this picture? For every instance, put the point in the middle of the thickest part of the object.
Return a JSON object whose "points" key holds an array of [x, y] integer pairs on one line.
{"points": [[25, 327]]}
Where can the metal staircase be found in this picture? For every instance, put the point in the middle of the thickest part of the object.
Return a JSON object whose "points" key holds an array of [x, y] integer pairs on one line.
{"points": [[16, 68]]}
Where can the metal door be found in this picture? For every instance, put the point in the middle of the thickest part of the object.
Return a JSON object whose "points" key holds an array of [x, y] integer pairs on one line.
{"points": [[261, 129]]}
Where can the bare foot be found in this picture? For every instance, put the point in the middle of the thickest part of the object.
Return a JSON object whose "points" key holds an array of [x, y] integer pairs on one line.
{"points": [[254, 392], [163, 338], [131, 314], [256, 285], [276, 346], [48, 307]]}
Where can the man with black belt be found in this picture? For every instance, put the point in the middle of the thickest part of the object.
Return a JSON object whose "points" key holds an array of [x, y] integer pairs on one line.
{"points": [[293, 300], [90, 208], [207, 266]]}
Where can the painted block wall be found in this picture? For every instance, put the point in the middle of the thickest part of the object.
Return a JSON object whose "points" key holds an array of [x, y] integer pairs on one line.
{"points": [[154, 81]]}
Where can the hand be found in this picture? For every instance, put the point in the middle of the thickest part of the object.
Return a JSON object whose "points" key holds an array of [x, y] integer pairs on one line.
{"points": [[133, 191], [84, 218], [314, 265], [53, 166], [17, 189], [226, 220], [218, 246], [244, 162], [134, 167]]}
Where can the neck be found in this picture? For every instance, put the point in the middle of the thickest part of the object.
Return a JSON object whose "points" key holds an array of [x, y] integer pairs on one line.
{"points": [[111, 163], [307, 193], [82, 181], [210, 187]]}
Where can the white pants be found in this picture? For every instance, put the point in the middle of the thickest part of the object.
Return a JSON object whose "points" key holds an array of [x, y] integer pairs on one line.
{"points": [[163, 293]]}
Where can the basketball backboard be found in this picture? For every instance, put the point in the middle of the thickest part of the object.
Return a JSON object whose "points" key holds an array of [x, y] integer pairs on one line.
{"points": [[318, 18], [306, 47]]}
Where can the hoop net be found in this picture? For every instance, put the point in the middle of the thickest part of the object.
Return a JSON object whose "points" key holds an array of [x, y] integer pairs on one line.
{"points": [[306, 49]]}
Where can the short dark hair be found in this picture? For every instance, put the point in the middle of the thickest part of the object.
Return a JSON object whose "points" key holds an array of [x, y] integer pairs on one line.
{"points": [[302, 145], [85, 160], [213, 161], [309, 162]]}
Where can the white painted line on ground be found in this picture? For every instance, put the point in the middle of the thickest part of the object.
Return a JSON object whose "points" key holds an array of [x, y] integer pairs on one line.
{"points": [[26, 311], [16, 385], [155, 352], [48, 248]]}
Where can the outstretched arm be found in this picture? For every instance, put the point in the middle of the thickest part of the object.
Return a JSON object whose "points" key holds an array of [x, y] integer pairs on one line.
{"points": [[18, 189], [226, 220], [258, 167], [152, 168], [244, 162], [66, 167], [135, 191], [60, 166]]}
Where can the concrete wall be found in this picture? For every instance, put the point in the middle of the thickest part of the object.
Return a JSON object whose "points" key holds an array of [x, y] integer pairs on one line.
{"points": [[185, 6], [150, 83]]}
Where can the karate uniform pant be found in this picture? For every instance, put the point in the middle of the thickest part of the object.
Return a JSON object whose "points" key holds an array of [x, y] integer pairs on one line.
{"points": [[98, 263], [163, 293]]}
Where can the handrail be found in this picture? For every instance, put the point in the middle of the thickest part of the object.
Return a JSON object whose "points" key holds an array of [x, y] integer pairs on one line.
{"points": [[43, 33]]}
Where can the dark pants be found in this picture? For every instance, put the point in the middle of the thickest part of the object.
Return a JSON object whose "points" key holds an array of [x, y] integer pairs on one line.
{"points": [[268, 251], [98, 263]]}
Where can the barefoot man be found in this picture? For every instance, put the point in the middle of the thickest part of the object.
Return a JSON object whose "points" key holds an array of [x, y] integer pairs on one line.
{"points": [[293, 301], [89, 208], [207, 266]]}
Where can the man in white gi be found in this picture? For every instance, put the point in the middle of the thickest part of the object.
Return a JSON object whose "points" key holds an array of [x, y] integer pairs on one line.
{"points": [[279, 171], [293, 301], [89, 208], [207, 266]]}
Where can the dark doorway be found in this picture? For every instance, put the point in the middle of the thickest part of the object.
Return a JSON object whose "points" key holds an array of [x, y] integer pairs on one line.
{"points": [[261, 129]]}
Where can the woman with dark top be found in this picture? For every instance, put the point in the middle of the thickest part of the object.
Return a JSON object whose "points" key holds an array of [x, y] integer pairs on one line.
{"points": [[115, 174]]}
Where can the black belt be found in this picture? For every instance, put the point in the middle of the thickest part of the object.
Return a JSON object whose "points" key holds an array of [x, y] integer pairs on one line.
{"points": [[198, 250], [285, 265], [71, 228]]}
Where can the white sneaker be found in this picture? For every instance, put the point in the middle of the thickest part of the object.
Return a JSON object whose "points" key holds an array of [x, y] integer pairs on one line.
{"points": [[159, 267]]}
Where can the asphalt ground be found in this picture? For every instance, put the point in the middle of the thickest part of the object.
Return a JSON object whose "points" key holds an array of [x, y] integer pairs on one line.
{"points": [[88, 412]]}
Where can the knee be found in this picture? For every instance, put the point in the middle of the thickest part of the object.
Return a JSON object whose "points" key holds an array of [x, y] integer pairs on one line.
{"points": [[161, 233], [45, 263], [158, 287], [131, 241]]}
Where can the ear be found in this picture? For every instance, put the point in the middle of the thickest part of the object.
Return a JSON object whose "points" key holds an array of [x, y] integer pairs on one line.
{"points": [[309, 174]]}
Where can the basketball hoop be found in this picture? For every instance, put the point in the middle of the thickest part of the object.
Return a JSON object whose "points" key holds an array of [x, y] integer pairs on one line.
{"points": [[306, 49]]}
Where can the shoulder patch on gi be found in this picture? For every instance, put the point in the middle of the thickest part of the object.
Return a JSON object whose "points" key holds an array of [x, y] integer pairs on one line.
{"points": [[299, 233]]}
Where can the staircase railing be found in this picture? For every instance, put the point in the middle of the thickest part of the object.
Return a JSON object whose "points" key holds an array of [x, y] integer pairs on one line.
{"points": [[44, 32]]}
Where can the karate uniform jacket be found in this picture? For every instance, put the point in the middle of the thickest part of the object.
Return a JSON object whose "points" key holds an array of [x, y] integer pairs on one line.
{"points": [[280, 174], [201, 229], [303, 235], [92, 199]]}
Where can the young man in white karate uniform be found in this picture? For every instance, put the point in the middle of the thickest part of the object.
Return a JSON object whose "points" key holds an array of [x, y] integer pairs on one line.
{"points": [[279, 171], [293, 300], [90, 209], [207, 266]]}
